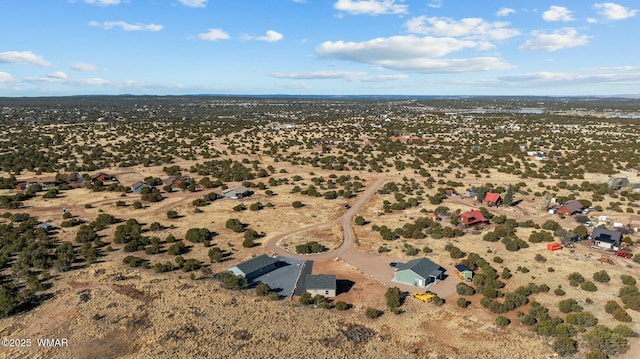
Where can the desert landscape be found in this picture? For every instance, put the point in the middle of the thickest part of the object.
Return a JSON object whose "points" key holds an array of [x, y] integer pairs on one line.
{"points": [[126, 222]]}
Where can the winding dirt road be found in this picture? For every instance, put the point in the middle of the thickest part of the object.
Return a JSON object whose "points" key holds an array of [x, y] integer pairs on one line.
{"points": [[372, 265]]}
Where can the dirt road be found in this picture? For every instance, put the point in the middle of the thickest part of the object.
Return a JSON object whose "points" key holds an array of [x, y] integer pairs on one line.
{"points": [[375, 266]]}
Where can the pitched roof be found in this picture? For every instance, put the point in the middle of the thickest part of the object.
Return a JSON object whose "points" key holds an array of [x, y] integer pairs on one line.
{"points": [[320, 281], [236, 189], [471, 217], [605, 235], [422, 267], [462, 268], [491, 197], [169, 180], [256, 263], [573, 206]]}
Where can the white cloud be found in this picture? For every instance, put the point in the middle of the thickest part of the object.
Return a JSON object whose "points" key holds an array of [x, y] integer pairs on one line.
{"points": [[103, 2], [23, 57], [559, 39], [58, 75], [80, 66], [352, 76], [557, 13], [96, 81], [5, 77], [270, 36], [370, 7], [469, 28], [435, 4], [54, 77], [505, 11], [194, 3], [214, 35], [411, 53], [108, 25], [592, 20], [613, 11]]}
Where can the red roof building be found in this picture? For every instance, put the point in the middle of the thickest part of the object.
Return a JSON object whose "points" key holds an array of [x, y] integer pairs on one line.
{"points": [[570, 207], [472, 218], [492, 198]]}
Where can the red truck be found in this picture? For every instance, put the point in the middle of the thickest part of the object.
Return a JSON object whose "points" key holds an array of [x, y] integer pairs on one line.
{"points": [[623, 254]]}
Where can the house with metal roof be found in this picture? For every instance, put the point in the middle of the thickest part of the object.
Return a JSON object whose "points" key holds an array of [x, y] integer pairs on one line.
{"points": [[255, 266], [419, 272], [606, 239], [568, 208], [237, 192], [492, 199], [463, 272], [323, 284]]}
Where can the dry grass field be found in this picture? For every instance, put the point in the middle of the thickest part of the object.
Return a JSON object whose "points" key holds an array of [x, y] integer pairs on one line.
{"points": [[108, 309]]}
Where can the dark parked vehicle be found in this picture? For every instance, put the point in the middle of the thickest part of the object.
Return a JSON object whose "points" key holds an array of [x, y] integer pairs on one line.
{"points": [[393, 264]]}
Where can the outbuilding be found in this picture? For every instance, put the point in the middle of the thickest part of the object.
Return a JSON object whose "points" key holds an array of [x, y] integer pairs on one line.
{"points": [[255, 266], [237, 192], [463, 272], [323, 284]]}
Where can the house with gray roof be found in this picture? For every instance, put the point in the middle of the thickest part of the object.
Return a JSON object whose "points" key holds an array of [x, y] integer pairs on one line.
{"points": [[616, 183], [323, 284], [419, 272], [237, 192], [255, 266], [606, 239]]}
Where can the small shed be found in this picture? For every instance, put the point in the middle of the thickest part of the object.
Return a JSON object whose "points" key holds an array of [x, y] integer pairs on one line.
{"points": [[323, 284], [45, 226], [463, 272]]}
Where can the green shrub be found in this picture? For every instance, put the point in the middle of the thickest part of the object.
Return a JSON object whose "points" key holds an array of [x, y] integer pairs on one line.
{"points": [[340, 305], [621, 315], [540, 258], [393, 297], [575, 279], [465, 289], [588, 286], [497, 260], [262, 289], [559, 292], [584, 319], [628, 280], [569, 305], [372, 313], [601, 276], [502, 321], [565, 346], [462, 303]]}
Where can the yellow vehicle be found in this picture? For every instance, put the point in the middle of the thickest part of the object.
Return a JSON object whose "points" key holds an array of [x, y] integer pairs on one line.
{"points": [[424, 296]]}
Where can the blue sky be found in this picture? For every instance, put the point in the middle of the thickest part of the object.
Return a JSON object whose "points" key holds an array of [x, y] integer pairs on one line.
{"points": [[320, 47]]}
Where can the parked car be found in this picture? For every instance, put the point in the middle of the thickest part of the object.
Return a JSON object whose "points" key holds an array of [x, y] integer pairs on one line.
{"points": [[623, 254], [393, 264], [424, 296]]}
